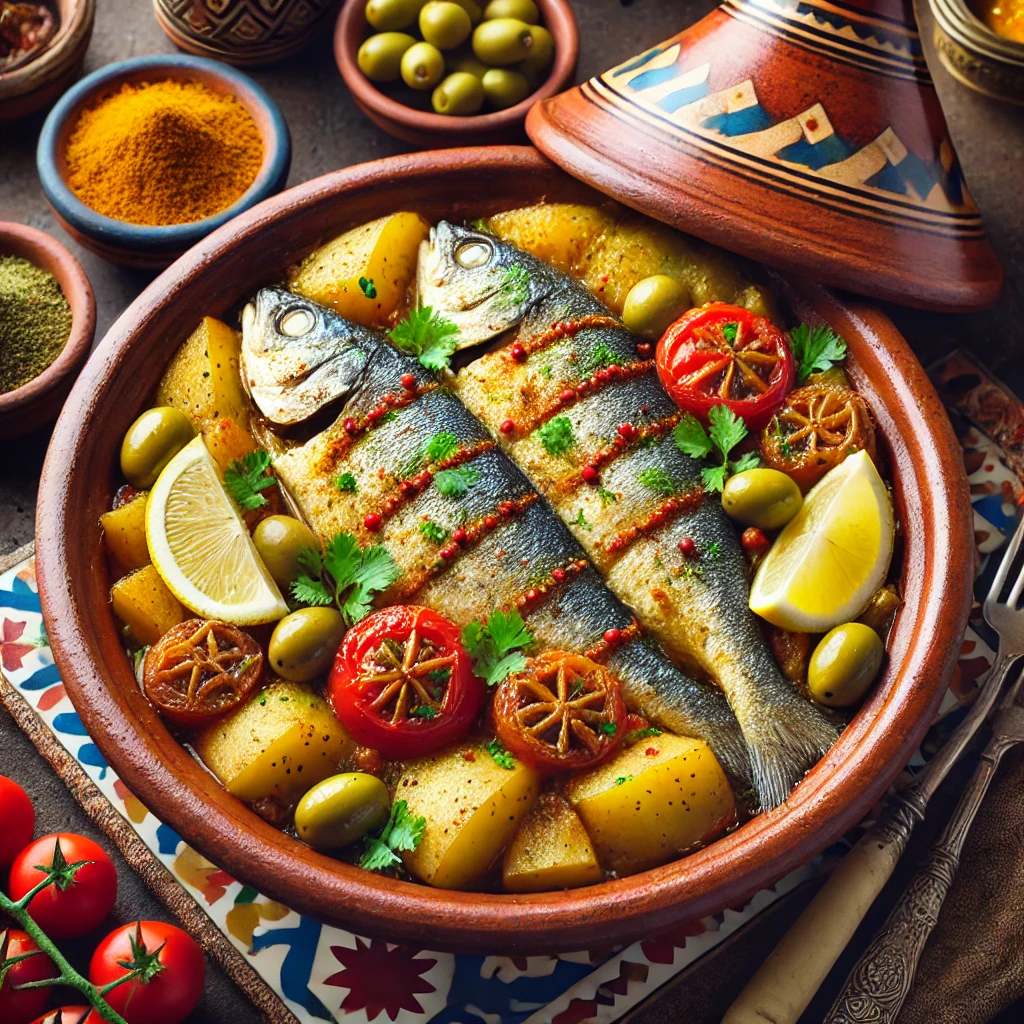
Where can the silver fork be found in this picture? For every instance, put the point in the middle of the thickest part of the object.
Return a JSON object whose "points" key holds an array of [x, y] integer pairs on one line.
{"points": [[882, 977]]}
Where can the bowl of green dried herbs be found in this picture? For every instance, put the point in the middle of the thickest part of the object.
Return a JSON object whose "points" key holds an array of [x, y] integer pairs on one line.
{"points": [[47, 321]]}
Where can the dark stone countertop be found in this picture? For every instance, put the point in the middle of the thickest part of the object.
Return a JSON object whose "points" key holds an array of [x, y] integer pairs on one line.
{"points": [[328, 132]]}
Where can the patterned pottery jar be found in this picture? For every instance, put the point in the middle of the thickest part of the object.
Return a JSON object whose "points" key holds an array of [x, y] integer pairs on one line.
{"points": [[244, 32]]}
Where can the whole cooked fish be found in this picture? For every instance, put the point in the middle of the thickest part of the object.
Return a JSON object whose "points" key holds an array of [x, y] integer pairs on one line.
{"points": [[569, 394], [479, 540]]}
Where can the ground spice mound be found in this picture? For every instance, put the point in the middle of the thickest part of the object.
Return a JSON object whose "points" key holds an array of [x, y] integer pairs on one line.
{"points": [[163, 153]]}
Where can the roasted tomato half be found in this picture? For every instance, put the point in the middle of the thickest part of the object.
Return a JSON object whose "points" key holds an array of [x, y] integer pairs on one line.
{"points": [[819, 425], [201, 668], [722, 354], [561, 713], [403, 684]]}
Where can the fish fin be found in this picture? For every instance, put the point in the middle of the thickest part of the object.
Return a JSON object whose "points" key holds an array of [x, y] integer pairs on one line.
{"points": [[725, 738]]}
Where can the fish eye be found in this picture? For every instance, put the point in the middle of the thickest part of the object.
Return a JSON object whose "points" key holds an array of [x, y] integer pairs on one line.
{"points": [[474, 254], [296, 322]]}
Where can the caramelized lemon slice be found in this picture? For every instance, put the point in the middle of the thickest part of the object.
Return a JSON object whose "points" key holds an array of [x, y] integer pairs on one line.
{"points": [[201, 547], [832, 556]]}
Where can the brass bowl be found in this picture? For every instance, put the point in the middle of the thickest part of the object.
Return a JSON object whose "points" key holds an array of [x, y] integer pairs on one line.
{"points": [[975, 55]]}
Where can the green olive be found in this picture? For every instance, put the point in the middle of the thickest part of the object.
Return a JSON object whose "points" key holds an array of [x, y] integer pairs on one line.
{"points": [[380, 57], [463, 59], [340, 810], [387, 15], [445, 24], [542, 53], [524, 10], [280, 540], [151, 442], [505, 88], [653, 303], [472, 8], [503, 41], [844, 665], [304, 643], [764, 498], [459, 94], [422, 66]]}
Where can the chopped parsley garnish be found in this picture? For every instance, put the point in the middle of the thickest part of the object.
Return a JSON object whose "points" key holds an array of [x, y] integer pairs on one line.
{"points": [[453, 483], [440, 675], [600, 357], [581, 520], [424, 711], [496, 648], [726, 431], [729, 332], [658, 480], [346, 482], [402, 832], [546, 372], [502, 758], [433, 532], [641, 734], [779, 436], [623, 779], [714, 550], [556, 435], [443, 445], [515, 284], [606, 496], [428, 336], [367, 287], [246, 477], [815, 349], [609, 728], [480, 224], [345, 575]]}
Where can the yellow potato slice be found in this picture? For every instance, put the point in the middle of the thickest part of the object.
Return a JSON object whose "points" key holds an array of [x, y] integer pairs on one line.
{"points": [[124, 533], [143, 602]]}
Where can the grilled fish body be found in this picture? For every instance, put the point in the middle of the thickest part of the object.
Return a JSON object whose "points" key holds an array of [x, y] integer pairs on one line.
{"points": [[515, 546], [567, 360]]}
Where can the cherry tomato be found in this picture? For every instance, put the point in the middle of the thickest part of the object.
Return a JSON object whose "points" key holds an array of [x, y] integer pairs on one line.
{"points": [[18, 819], [171, 971], [563, 712], [18, 1007], [70, 1015], [199, 669], [81, 899], [403, 684], [721, 354]]}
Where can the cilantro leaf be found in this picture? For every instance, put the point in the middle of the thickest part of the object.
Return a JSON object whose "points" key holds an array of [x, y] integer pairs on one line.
{"points": [[433, 532], [377, 571], [749, 460], [658, 480], [453, 483], [691, 438], [556, 435], [309, 591], [598, 358], [607, 497], [502, 758], [816, 349], [428, 336], [729, 332], [714, 477], [246, 477], [310, 560], [495, 648], [441, 446], [727, 429], [346, 482], [401, 832]]}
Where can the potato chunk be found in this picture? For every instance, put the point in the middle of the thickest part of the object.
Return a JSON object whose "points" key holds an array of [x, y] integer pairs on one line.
{"points": [[652, 802], [227, 442], [145, 605], [124, 533], [381, 254], [281, 742], [558, 233], [203, 379], [472, 807], [551, 850]]}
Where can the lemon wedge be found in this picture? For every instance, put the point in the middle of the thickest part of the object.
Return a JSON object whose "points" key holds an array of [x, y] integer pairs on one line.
{"points": [[832, 555], [200, 545]]}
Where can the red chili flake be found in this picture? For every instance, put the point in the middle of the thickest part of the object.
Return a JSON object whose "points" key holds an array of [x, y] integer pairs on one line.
{"points": [[688, 546], [490, 522], [408, 381], [755, 541], [518, 353], [468, 755], [459, 535], [558, 575], [604, 279], [350, 426], [626, 431], [590, 476], [612, 636], [568, 395], [507, 427], [651, 751], [644, 349], [372, 522]]}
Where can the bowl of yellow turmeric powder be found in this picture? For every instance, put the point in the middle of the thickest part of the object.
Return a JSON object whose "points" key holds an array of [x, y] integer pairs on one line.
{"points": [[144, 158]]}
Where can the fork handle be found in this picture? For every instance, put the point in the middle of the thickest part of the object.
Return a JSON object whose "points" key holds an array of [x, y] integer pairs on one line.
{"points": [[880, 980]]}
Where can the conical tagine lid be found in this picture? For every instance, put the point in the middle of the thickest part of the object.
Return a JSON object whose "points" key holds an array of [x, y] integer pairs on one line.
{"points": [[803, 133]]}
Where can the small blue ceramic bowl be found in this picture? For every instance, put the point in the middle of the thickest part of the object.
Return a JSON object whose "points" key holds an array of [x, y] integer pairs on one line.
{"points": [[139, 245]]}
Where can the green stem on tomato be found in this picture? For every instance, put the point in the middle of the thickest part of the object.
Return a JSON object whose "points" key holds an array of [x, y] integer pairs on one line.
{"points": [[67, 975]]}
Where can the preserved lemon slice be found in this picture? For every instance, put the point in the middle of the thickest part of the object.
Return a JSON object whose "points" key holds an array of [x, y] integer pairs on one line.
{"points": [[832, 555], [201, 547]]}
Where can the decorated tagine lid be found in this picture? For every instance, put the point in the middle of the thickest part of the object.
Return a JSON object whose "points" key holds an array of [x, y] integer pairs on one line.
{"points": [[803, 133]]}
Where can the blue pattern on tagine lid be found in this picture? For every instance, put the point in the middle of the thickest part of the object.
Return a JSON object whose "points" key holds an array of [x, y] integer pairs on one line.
{"points": [[803, 133]]}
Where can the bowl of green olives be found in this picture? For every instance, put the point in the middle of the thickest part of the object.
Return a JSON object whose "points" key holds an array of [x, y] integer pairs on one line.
{"points": [[441, 73]]}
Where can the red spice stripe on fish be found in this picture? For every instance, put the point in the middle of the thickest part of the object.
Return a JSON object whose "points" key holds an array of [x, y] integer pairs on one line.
{"points": [[521, 350], [670, 510], [531, 599], [603, 648], [472, 534]]}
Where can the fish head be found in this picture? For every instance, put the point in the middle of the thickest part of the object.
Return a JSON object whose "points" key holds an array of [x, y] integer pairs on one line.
{"points": [[298, 357], [482, 285]]}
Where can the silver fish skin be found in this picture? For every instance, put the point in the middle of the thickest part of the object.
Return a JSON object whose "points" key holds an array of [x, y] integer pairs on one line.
{"points": [[505, 560], [649, 496]]}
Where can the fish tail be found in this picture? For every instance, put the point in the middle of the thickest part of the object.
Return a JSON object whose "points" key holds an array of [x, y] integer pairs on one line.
{"points": [[727, 743]]}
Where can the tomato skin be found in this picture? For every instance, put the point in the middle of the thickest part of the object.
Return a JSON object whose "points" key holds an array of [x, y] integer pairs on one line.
{"points": [[19, 1007], [19, 819], [74, 912], [411, 737], [683, 357], [70, 1015], [168, 997]]}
